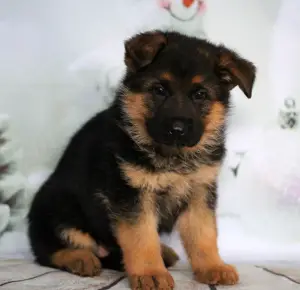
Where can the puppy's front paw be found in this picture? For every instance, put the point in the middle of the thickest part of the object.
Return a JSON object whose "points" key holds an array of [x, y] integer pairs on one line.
{"points": [[163, 281], [220, 274]]}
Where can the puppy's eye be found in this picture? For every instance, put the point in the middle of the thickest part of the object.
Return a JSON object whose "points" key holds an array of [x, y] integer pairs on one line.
{"points": [[200, 95], [159, 90]]}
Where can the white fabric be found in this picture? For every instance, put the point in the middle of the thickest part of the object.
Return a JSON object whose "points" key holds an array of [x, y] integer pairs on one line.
{"points": [[13, 201], [284, 54], [269, 179]]}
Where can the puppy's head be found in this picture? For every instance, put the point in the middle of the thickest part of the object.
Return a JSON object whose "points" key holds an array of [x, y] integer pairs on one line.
{"points": [[176, 89]]}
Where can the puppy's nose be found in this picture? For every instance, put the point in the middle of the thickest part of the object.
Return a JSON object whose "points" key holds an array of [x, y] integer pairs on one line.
{"points": [[178, 127]]}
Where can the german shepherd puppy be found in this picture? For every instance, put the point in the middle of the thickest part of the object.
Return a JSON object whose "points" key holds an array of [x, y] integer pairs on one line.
{"points": [[147, 163]]}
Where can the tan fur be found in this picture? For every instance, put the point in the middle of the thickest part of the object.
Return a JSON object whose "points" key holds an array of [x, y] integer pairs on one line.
{"points": [[139, 177], [199, 238], [136, 111], [140, 245], [179, 187], [161, 281], [198, 79], [167, 76], [134, 105], [198, 231], [78, 261], [213, 121], [219, 274], [78, 239]]}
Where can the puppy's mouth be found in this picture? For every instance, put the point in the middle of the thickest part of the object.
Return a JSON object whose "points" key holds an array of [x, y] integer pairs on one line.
{"points": [[176, 143], [170, 150]]}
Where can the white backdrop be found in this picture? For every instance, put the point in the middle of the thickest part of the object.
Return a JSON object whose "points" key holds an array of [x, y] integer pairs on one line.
{"points": [[40, 39]]}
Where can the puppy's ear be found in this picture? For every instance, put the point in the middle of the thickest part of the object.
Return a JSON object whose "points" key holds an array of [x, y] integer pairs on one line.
{"points": [[141, 49], [236, 71]]}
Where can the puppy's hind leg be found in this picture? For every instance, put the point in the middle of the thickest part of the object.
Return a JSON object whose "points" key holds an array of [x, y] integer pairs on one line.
{"points": [[82, 262], [70, 250], [81, 257], [58, 234], [169, 256]]}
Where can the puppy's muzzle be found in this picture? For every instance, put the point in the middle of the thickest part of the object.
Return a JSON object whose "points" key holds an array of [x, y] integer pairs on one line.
{"points": [[178, 130], [175, 130], [179, 127]]}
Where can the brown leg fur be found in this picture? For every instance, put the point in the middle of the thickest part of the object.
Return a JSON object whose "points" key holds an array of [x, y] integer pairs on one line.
{"points": [[169, 256], [142, 254], [198, 231], [81, 262], [66, 259], [77, 239]]}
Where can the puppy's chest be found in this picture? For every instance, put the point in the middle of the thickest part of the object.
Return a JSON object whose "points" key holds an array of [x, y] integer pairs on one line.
{"points": [[160, 185], [171, 201], [168, 191]]}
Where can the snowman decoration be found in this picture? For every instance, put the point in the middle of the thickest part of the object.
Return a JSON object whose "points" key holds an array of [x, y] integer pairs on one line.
{"points": [[105, 67], [185, 15]]}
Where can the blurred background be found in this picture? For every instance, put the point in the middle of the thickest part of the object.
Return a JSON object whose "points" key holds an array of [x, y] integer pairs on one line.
{"points": [[61, 60]]}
